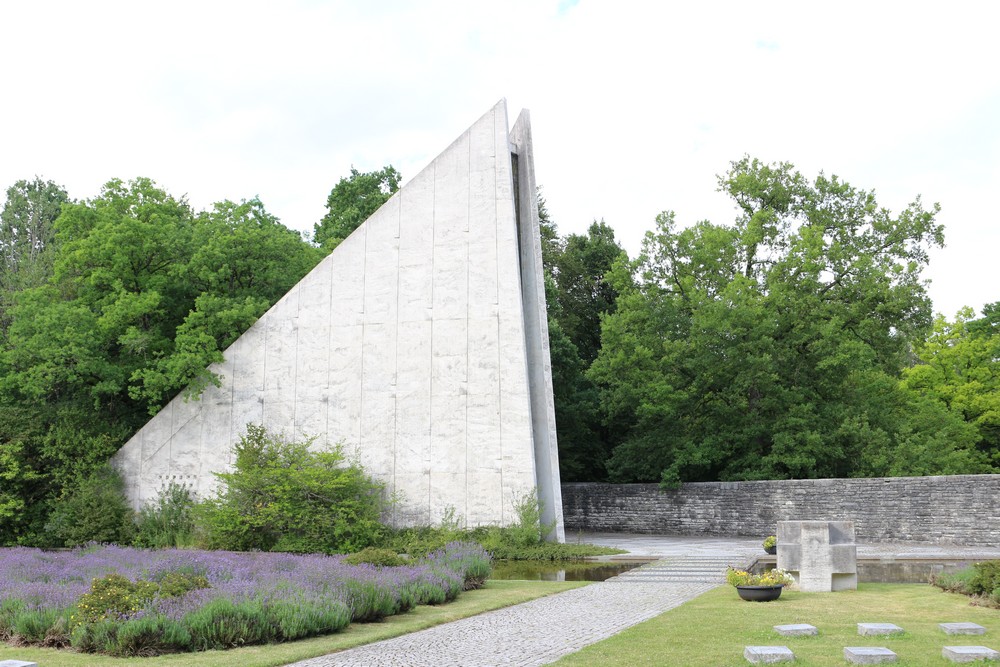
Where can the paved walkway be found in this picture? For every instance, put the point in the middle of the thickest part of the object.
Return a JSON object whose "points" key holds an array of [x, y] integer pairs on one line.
{"points": [[542, 631]]}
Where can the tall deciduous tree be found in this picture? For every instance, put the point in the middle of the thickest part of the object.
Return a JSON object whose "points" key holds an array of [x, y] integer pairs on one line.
{"points": [[26, 235], [577, 296], [143, 296], [352, 201], [959, 368], [769, 348]]}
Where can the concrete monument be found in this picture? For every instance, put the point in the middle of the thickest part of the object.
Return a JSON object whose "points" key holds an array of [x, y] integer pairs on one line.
{"points": [[420, 343], [822, 556]]}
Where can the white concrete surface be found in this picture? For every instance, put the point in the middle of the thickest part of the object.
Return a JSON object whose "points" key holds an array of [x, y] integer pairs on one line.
{"points": [[822, 556], [408, 345]]}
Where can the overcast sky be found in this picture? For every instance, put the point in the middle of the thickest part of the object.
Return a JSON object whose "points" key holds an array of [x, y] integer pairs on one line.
{"points": [[635, 106]]}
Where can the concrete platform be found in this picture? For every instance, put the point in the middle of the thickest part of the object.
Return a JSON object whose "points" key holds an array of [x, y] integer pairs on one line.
{"points": [[879, 629], [969, 653], [796, 630], [766, 655], [962, 628], [869, 655]]}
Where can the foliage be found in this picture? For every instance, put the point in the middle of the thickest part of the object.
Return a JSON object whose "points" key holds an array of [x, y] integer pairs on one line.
{"points": [[167, 522], [769, 542], [981, 581], [376, 556], [154, 602], [522, 540], [775, 577], [27, 234], [352, 201], [281, 496], [113, 597], [95, 511], [959, 369], [770, 348], [577, 296], [139, 294]]}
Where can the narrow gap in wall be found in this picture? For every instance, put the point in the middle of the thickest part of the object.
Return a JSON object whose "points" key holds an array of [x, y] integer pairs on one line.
{"points": [[515, 176]]}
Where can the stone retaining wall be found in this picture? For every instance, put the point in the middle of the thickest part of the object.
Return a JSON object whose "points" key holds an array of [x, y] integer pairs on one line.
{"points": [[956, 509]]}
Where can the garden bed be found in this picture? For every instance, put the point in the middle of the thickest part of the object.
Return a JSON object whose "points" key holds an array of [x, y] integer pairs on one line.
{"points": [[124, 601]]}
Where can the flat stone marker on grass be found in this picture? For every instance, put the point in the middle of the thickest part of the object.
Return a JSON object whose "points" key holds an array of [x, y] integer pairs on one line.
{"points": [[17, 663], [869, 655], [962, 628], [796, 630], [866, 629], [969, 653], [765, 655]]}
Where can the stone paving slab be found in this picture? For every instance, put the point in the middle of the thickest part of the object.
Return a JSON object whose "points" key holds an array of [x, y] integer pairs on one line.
{"points": [[869, 655], [962, 628], [766, 655], [534, 633], [969, 653], [17, 663], [878, 629], [796, 630]]}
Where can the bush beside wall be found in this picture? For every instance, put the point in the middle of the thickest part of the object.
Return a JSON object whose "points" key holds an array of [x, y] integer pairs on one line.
{"points": [[954, 509]]}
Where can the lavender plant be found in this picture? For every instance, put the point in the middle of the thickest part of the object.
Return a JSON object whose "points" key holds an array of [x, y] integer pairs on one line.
{"points": [[174, 600]]}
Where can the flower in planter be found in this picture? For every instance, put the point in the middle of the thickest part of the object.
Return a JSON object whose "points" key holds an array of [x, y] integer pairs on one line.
{"points": [[770, 542], [775, 577]]}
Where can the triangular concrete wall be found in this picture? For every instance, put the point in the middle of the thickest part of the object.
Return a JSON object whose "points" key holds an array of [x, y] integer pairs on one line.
{"points": [[409, 344]]}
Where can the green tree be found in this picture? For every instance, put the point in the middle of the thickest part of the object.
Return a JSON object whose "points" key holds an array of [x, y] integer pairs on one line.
{"points": [[352, 201], [94, 511], [579, 269], [283, 496], [768, 348], [959, 369], [243, 261], [144, 294], [26, 236]]}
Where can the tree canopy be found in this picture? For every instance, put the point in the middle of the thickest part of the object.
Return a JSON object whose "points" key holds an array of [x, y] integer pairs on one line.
{"points": [[352, 200], [142, 295], [771, 347]]}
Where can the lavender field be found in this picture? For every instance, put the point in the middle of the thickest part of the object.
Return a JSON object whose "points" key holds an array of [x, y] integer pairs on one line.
{"points": [[123, 601]]}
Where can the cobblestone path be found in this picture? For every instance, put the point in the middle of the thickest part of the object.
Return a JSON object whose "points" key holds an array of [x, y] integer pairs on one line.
{"points": [[543, 630]]}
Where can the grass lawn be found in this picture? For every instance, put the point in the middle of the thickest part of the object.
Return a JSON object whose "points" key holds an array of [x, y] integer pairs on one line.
{"points": [[714, 628], [495, 595]]}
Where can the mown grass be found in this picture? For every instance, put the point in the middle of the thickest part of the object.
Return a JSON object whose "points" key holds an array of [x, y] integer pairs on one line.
{"points": [[714, 628], [494, 595]]}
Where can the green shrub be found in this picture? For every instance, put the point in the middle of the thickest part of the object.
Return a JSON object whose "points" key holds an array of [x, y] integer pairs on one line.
{"points": [[113, 597], [376, 556], [223, 624], [99, 637], [986, 577], [955, 582], [297, 619], [283, 497], [169, 521], [39, 626], [175, 584], [9, 610], [94, 511], [150, 635]]}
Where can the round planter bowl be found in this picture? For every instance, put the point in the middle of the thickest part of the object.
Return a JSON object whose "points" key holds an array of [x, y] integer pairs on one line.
{"points": [[759, 593], [771, 550]]}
